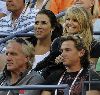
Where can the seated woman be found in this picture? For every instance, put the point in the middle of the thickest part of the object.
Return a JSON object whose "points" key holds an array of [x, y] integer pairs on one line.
{"points": [[46, 29], [77, 21]]}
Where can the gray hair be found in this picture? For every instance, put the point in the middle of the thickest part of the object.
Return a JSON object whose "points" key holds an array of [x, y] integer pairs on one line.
{"points": [[27, 48]]}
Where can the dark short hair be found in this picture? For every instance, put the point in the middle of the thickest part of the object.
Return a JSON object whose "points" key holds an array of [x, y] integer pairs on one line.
{"points": [[79, 44]]}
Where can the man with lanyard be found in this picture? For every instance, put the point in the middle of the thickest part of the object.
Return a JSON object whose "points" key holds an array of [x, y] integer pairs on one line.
{"points": [[75, 59]]}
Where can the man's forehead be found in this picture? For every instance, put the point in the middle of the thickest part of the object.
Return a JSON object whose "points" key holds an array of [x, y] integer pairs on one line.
{"points": [[14, 45], [68, 44]]}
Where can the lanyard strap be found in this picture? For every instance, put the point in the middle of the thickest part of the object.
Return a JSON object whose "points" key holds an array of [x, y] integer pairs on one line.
{"points": [[72, 82], [75, 80]]}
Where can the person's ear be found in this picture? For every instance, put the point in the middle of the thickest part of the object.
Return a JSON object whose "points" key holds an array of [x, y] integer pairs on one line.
{"points": [[27, 59], [51, 31], [82, 52]]}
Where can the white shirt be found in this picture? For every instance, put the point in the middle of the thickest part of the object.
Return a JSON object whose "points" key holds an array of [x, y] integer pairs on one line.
{"points": [[39, 58]]}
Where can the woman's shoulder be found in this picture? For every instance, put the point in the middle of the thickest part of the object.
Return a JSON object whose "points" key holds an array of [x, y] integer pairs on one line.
{"points": [[56, 43]]}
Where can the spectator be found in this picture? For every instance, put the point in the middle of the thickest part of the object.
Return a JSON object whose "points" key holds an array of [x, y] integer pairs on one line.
{"points": [[76, 22], [20, 18], [46, 29], [18, 70], [91, 42], [80, 26], [92, 6], [87, 4], [92, 45], [75, 60], [22, 15]]}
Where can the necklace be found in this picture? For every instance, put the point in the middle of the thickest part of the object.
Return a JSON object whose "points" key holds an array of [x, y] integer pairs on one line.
{"points": [[72, 82]]}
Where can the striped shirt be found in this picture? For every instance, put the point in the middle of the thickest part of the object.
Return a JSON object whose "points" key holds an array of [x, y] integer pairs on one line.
{"points": [[25, 21]]}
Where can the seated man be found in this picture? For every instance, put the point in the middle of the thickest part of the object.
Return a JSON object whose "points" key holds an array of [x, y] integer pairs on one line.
{"points": [[18, 70], [20, 18], [75, 58]]}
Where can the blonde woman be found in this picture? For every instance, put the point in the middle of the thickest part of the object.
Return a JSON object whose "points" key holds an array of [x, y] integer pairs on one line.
{"points": [[78, 15], [76, 22]]}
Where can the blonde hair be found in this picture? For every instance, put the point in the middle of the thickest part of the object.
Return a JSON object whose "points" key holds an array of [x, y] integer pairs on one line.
{"points": [[84, 20]]}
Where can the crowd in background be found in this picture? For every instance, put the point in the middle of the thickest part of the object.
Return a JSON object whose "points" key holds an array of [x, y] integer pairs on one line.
{"points": [[61, 51]]}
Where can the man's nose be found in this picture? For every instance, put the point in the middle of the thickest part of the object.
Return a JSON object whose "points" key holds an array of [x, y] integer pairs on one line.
{"points": [[39, 25], [8, 57]]}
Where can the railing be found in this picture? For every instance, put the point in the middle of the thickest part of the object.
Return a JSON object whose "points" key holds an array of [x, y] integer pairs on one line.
{"points": [[30, 34], [95, 85], [18, 35], [14, 35], [37, 87]]}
